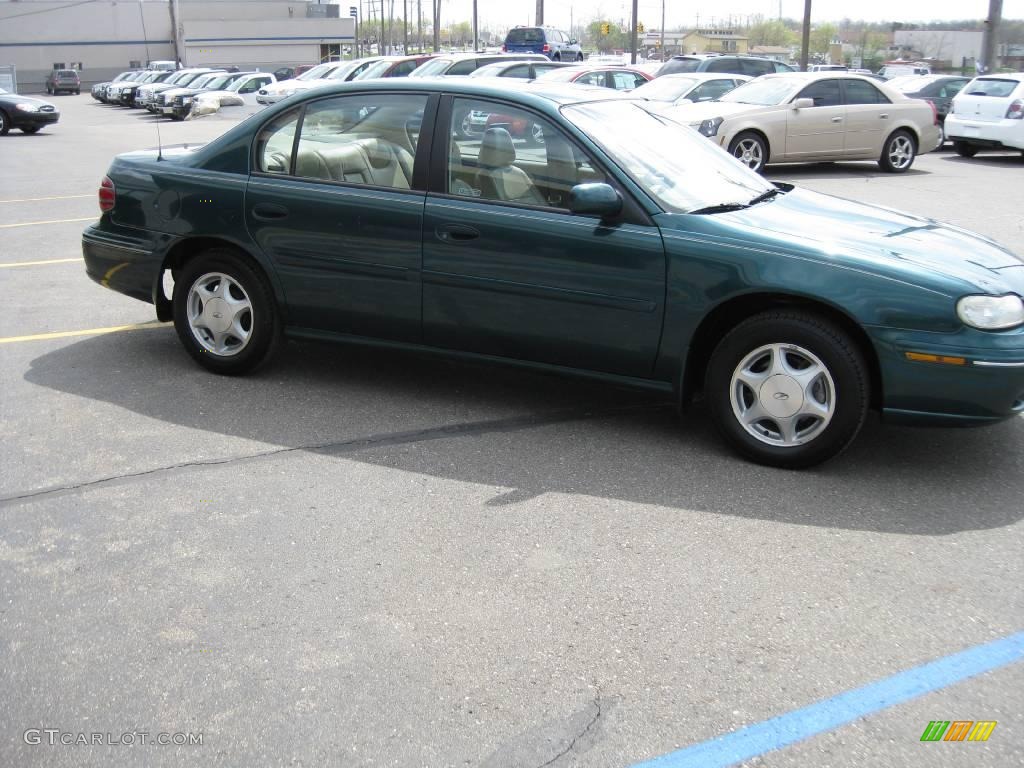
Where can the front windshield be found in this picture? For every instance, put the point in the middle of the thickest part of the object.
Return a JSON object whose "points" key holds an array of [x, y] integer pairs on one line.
{"points": [[201, 82], [342, 73], [765, 91], [489, 70], [432, 67], [666, 88], [316, 72], [235, 85], [374, 70], [219, 81], [674, 164], [562, 74]]}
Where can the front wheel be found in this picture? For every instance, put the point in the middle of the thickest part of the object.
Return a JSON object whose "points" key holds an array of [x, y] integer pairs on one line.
{"points": [[751, 150], [898, 153], [224, 312], [5, 123], [788, 389], [964, 149]]}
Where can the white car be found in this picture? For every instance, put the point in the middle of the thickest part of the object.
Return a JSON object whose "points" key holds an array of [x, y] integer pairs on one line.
{"points": [[690, 88], [988, 113], [323, 74], [243, 89], [800, 117]]}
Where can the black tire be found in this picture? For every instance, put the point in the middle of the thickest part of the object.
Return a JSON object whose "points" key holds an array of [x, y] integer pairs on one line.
{"points": [[459, 123], [78, 93], [840, 391], [5, 123], [49, 91], [263, 318], [898, 152], [557, 57], [30, 129], [579, 57], [964, 149], [535, 135], [750, 149]]}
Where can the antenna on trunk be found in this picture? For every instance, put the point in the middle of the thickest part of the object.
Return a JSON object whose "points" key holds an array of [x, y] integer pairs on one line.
{"points": [[159, 143]]}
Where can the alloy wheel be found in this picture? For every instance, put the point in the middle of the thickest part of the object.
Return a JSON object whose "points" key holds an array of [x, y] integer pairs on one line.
{"points": [[901, 152], [220, 314]]}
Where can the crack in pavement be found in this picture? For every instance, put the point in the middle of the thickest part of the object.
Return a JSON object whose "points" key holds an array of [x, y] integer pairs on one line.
{"points": [[597, 716], [491, 426]]}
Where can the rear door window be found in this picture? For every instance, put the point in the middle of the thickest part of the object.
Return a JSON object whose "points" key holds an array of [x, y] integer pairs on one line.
{"points": [[463, 67], [755, 67], [860, 92], [672, 66], [722, 65]]}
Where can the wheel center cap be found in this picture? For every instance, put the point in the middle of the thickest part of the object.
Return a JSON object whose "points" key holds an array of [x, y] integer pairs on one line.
{"points": [[218, 315], [781, 396]]}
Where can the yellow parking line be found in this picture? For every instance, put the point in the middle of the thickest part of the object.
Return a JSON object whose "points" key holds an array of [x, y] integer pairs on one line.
{"points": [[38, 199], [89, 332], [36, 263], [50, 221]]}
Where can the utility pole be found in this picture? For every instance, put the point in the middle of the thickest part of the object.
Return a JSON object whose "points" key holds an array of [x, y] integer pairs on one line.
{"points": [[476, 36], [405, 27], [539, 21], [174, 27], [663, 30], [419, 25], [805, 39], [437, 25], [632, 35], [988, 45]]}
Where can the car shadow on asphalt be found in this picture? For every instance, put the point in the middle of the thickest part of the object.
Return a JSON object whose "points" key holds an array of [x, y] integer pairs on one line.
{"points": [[527, 434], [1011, 160], [839, 170]]}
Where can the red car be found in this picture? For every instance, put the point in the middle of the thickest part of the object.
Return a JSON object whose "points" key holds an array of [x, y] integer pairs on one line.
{"points": [[621, 78]]}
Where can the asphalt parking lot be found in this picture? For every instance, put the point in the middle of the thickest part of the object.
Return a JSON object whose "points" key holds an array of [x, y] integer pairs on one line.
{"points": [[364, 558]]}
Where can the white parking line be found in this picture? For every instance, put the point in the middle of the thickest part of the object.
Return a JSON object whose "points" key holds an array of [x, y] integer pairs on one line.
{"points": [[50, 221], [53, 197], [36, 263]]}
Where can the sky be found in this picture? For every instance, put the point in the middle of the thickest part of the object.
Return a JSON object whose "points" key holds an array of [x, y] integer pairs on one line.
{"points": [[503, 13]]}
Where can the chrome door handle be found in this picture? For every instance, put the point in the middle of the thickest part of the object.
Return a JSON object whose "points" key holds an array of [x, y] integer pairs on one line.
{"points": [[837, 119], [884, 116]]}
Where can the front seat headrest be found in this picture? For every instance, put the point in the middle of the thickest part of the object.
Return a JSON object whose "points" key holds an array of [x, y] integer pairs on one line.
{"points": [[497, 150]]}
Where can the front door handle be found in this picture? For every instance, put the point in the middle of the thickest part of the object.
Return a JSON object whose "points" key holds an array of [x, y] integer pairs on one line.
{"points": [[456, 233], [884, 116], [837, 119], [269, 211]]}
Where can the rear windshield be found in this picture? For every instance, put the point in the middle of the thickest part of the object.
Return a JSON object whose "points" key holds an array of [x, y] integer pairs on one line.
{"points": [[679, 65], [66, 73], [991, 87], [525, 36]]}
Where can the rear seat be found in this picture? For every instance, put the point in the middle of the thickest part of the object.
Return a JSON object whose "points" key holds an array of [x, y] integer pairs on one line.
{"points": [[375, 162]]}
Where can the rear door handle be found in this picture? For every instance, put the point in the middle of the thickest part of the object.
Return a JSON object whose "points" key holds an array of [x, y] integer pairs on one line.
{"points": [[837, 119], [456, 233], [884, 116], [269, 211]]}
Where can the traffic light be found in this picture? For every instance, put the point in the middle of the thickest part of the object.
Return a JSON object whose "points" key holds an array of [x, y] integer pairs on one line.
{"points": [[606, 28], [639, 29]]}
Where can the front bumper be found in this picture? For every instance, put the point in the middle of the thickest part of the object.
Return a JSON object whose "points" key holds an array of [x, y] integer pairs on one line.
{"points": [[986, 388], [997, 134], [19, 119]]}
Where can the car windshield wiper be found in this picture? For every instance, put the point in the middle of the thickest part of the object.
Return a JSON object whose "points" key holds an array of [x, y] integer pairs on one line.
{"points": [[720, 208], [765, 196]]}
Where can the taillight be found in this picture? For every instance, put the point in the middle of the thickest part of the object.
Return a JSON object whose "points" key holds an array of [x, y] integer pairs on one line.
{"points": [[546, 48], [935, 113], [504, 49], [107, 194], [1016, 110]]}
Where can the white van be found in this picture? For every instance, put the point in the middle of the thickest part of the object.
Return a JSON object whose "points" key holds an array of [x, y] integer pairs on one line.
{"points": [[889, 71]]}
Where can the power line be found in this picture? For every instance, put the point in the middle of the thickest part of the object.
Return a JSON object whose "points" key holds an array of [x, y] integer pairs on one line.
{"points": [[48, 10]]}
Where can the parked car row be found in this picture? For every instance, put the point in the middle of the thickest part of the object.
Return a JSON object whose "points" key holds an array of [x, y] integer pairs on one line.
{"points": [[172, 93]]}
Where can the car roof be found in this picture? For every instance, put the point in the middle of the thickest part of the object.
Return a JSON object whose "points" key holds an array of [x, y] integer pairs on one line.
{"points": [[1001, 76], [536, 91], [702, 76]]}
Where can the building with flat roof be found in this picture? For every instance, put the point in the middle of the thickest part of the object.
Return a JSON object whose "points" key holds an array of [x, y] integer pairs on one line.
{"points": [[103, 38]]}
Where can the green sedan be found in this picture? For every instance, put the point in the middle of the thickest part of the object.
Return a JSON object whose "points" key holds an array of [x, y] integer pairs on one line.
{"points": [[622, 246]]}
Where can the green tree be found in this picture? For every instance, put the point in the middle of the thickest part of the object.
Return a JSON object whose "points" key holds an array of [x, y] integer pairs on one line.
{"points": [[615, 39], [771, 32]]}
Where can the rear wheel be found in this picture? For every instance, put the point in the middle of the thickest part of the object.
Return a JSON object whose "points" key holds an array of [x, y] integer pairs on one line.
{"points": [[463, 125], [224, 313], [787, 389], [751, 150], [964, 149], [557, 57], [579, 57], [535, 135], [898, 153], [5, 123]]}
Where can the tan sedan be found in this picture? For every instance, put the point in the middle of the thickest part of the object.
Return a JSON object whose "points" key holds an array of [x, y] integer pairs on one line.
{"points": [[799, 117]]}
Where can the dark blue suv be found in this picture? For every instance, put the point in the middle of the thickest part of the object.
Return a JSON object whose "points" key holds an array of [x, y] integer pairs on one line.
{"points": [[553, 43]]}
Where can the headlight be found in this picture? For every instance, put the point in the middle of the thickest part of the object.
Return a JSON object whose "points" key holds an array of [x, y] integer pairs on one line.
{"points": [[709, 128], [991, 313], [186, 100], [26, 107]]}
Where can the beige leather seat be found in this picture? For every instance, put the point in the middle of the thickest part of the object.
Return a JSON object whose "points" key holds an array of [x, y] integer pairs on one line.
{"points": [[375, 162], [497, 178]]}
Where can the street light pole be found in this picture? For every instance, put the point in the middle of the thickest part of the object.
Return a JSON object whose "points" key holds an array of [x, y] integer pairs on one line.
{"points": [[539, 21], [663, 30], [476, 36]]}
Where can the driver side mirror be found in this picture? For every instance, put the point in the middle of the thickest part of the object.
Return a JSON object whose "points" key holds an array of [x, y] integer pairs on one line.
{"points": [[573, 41], [595, 199], [804, 103]]}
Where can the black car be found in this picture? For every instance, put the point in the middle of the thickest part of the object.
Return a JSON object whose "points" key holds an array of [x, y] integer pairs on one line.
{"points": [[752, 66], [25, 112], [938, 89], [126, 98]]}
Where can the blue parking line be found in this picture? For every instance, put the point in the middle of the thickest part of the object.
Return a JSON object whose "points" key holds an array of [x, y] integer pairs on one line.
{"points": [[846, 707]]}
